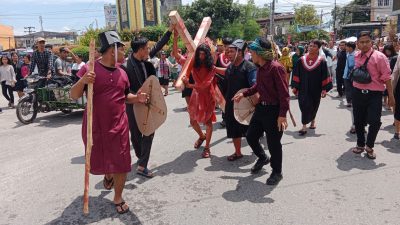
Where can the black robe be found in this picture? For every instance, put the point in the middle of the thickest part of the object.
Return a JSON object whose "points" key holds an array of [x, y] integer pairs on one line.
{"points": [[310, 81], [236, 77]]}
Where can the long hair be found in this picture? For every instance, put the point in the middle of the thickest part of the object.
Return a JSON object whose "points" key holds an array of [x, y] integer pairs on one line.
{"points": [[391, 49], [208, 61], [8, 60]]}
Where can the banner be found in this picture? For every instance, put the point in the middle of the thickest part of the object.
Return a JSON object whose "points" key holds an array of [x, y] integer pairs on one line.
{"points": [[307, 28]]}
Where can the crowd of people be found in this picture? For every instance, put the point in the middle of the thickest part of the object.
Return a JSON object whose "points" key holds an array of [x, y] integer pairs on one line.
{"points": [[43, 61], [364, 75]]}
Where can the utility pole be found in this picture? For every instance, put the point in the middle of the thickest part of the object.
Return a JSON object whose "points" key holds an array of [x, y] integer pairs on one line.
{"points": [[334, 23], [30, 31], [41, 23], [271, 20]]}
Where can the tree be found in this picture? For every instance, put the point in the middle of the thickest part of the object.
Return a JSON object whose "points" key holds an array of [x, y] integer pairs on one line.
{"points": [[222, 13], [305, 15], [251, 30], [90, 33]]}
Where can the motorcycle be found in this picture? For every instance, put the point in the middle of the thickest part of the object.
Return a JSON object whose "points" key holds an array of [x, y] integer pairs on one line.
{"points": [[43, 95]]}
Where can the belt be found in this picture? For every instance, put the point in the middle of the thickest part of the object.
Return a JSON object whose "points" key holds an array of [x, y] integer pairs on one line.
{"points": [[264, 103], [366, 91]]}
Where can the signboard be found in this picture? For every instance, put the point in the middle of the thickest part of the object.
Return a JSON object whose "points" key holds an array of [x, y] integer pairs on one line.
{"points": [[150, 12], [110, 13], [123, 14]]}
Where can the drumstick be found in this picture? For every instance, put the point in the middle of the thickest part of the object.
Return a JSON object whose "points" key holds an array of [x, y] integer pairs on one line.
{"points": [[89, 139]]}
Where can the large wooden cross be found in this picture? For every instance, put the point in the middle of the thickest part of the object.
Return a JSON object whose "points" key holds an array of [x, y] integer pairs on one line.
{"points": [[190, 44]]}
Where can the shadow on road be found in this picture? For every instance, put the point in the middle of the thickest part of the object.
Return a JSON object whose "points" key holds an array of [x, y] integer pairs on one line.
{"points": [[222, 164], [348, 161], [78, 160], [392, 146], [55, 120], [248, 189], [99, 209], [296, 135]]}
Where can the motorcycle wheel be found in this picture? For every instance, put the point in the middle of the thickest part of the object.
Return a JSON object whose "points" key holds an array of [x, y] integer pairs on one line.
{"points": [[26, 111]]}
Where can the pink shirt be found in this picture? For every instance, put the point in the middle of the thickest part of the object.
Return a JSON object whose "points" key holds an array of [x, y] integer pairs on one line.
{"points": [[378, 67]]}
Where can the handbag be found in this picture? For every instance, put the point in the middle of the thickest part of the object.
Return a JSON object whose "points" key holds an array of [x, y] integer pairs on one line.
{"points": [[360, 74]]}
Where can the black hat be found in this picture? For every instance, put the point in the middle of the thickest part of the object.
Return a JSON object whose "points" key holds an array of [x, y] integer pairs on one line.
{"points": [[239, 43], [108, 39]]}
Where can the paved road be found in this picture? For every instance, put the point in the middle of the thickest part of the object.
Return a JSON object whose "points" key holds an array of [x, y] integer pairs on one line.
{"points": [[42, 168]]}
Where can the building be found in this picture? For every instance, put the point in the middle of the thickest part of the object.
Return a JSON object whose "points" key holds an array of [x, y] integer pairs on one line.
{"points": [[6, 37], [111, 16], [282, 23], [382, 10], [54, 38], [168, 6], [136, 14], [396, 11]]}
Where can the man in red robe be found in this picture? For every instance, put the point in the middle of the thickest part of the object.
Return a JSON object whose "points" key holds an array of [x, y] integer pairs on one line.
{"points": [[111, 150]]}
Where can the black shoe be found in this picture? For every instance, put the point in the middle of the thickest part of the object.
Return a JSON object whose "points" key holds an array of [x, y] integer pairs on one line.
{"points": [[222, 123], [259, 165], [274, 178]]}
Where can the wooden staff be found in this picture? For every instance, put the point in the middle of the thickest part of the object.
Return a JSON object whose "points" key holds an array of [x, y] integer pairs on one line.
{"points": [[89, 138]]}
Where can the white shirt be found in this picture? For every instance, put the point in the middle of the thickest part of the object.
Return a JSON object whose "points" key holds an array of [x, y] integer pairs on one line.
{"points": [[77, 66], [7, 74]]}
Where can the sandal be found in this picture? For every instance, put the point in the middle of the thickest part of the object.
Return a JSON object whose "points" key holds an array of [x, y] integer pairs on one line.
{"points": [[370, 153], [199, 142], [358, 150], [206, 153], [352, 130], [312, 127], [120, 208], [108, 183], [234, 157], [145, 172], [302, 132]]}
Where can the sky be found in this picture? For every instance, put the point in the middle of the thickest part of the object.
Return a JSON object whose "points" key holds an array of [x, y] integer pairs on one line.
{"points": [[64, 15]]}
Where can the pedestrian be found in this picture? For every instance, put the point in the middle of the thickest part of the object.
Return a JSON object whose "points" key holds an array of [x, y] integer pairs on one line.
{"points": [[61, 64], [139, 69], [396, 88], [341, 58], [270, 113], [164, 71], [202, 101], [333, 50], [348, 83], [391, 55], [43, 59], [21, 73], [367, 94], [286, 61], [111, 150], [299, 53], [7, 79], [311, 82], [239, 74], [78, 64]]}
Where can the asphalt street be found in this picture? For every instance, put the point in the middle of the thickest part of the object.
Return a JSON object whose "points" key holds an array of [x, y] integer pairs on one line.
{"points": [[42, 174]]}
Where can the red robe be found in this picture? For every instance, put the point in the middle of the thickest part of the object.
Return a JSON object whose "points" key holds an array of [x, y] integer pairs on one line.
{"points": [[111, 148], [202, 102]]}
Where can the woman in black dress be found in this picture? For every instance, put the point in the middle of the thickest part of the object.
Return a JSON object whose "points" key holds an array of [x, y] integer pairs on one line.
{"points": [[240, 74], [396, 88]]}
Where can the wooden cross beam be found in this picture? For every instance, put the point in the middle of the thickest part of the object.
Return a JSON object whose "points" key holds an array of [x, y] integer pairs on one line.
{"points": [[188, 41]]}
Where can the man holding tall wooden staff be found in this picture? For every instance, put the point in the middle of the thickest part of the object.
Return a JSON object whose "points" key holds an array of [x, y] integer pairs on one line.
{"points": [[111, 150]]}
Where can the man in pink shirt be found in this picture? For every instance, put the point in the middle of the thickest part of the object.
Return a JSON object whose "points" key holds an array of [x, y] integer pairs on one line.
{"points": [[367, 98]]}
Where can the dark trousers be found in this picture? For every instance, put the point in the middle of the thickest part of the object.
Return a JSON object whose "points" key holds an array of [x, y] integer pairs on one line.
{"points": [[265, 120], [340, 84], [348, 84], [7, 92], [141, 144], [367, 109]]}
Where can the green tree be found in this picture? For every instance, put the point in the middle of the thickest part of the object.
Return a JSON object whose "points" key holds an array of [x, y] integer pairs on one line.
{"points": [[234, 30], [251, 30], [222, 13], [90, 33], [305, 15]]}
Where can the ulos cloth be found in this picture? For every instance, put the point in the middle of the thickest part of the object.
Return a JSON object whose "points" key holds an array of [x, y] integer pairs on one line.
{"points": [[111, 149]]}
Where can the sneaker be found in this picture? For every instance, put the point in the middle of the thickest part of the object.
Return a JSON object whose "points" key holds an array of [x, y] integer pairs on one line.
{"points": [[259, 165], [274, 179]]}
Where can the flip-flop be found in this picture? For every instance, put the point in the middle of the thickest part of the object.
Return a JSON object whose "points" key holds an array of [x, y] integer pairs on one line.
{"points": [[108, 183], [206, 153], [146, 173], [358, 150], [199, 142], [234, 157], [120, 206]]}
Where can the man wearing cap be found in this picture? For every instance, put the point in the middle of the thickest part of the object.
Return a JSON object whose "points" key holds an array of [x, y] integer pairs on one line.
{"points": [[43, 59], [139, 69], [270, 113], [111, 150], [239, 74]]}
